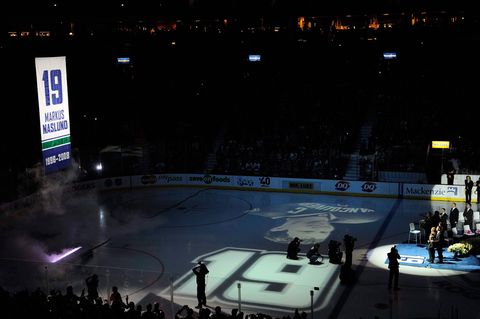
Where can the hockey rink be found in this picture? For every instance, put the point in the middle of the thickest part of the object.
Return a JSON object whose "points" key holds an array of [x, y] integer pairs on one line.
{"points": [[146, 241]]}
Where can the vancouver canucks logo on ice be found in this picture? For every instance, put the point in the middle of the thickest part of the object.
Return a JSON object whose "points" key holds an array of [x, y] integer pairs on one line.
{"points": [[313, 222]]}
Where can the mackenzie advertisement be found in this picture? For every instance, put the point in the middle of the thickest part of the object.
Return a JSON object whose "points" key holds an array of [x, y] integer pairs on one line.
{"points": [[434, 192]]}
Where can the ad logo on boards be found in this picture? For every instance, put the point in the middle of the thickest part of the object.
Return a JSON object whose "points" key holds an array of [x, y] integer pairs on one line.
{"points": [[369, 187], [208, 179], [439, 190], [244, 182], [342, 186], [300, 185], [149, 179], [170, 178], [264, 181], [453, 190], [83, 186]]}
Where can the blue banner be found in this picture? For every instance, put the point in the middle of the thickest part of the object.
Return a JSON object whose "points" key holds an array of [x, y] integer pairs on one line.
{"points": [[57, 158]]}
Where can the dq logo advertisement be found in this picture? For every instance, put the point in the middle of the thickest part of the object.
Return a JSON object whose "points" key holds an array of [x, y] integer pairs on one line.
{"points": [[54, 116], [268, 280], [369, 187], [342, 186]]}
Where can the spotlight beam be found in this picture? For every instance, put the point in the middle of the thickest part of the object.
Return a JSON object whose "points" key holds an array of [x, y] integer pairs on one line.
{"points": [[66, 252]]}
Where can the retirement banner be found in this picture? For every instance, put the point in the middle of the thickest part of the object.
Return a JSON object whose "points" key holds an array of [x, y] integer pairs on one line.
{"points": [[54, 116]]}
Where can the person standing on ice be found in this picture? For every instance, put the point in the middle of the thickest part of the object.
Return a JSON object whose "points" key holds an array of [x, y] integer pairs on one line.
{"points": [[201, 271]]}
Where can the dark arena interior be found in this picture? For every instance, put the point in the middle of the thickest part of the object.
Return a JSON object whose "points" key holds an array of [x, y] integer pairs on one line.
{"points": [[319, 159]]}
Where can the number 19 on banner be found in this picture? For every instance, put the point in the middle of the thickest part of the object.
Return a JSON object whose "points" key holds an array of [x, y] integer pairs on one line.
{"points": [[53, 86]]}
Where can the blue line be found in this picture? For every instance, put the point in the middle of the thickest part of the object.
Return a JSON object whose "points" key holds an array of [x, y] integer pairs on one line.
{"points": [[383, 228], [378, 236]]}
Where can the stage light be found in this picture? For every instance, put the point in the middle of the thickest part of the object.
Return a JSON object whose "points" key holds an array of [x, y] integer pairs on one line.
{"points": [[99, 167], [389, 55], [254, 58], [123, 60]]}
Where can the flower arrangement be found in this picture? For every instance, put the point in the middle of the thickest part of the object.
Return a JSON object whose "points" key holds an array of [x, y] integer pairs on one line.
{"points": [[460, 248]]}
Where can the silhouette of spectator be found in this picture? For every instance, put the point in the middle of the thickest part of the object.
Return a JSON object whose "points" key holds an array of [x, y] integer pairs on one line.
{"points": [[201, 271], [92, 287], [117, 304], [104, 309], [296, 314], [148, 314], [204, 313], [138, 310], [293, 248], [70, 303], [159, 314], [234, 313], [184, 313], [38, 301], [130, 312], [218, 314]]}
